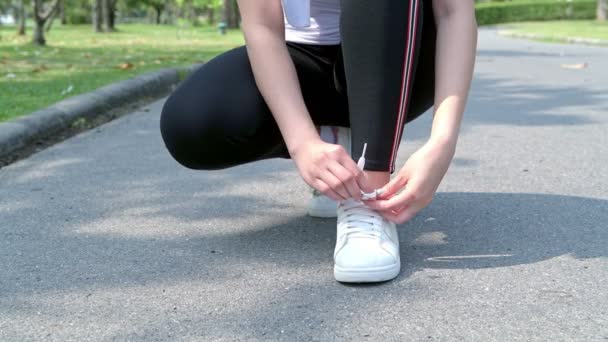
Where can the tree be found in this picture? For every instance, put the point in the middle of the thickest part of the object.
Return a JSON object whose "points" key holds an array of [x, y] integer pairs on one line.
{"points": [[42, 12], [104, 15], [61, 12], [231, 14], [602, 10], [97, 17], [159, 6], [54, 15], [21, 17], [111, 15]]}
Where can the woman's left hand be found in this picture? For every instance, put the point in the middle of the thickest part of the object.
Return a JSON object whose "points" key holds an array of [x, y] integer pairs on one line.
{"points": [[414, 186]]}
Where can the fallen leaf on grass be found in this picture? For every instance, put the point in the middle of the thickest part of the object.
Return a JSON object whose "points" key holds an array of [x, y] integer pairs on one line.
{"points": [[575, 66], [40, 68], [67, 90], [126, 66]]}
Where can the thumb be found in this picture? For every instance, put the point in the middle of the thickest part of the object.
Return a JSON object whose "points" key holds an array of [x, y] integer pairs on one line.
{"points": [[393, 187]]}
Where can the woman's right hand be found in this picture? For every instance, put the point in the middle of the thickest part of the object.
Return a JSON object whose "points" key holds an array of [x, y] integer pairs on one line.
{"points": [[329, 169]]}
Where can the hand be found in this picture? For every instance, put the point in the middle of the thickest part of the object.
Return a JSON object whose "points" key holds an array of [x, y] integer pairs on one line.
{"points": [[329, 169], [414, 186]]}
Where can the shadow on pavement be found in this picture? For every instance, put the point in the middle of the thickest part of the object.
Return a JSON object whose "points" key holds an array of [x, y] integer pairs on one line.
{"points": [[459, 230], [501, 101]]}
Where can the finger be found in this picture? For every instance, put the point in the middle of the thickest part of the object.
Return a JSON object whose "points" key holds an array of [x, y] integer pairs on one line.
{"points": [[393, 187], [326, 190], [347, 178], [396, 203], [348, 163], [403, 216], [335, 184], [408, 213]]}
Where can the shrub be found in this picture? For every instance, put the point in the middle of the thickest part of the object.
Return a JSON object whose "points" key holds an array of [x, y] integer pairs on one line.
{"points": [[503, 12]]}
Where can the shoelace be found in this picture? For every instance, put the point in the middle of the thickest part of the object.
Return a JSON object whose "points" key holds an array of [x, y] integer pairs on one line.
{"points": [[365, 196], [361, 221]]}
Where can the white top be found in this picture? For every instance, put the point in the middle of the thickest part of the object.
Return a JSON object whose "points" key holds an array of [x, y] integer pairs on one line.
{"points": [[319, 27]]}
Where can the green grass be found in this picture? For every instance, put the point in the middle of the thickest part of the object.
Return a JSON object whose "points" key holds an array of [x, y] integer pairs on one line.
{"points": [[558, 30], [32, 77]]}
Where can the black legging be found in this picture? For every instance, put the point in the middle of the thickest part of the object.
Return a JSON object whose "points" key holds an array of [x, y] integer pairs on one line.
{"points": [[217, 118]]}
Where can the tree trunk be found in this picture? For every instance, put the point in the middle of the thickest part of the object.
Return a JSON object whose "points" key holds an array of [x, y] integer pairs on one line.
{"points": [[602, 10], [227, 17], [61, 9], [112, 15], [40, 18], [232, 16], [39, 35], [22, 17], [211, 16], [97, 16], [159, 13], [105, 14], [52, 20], [236, 15]]}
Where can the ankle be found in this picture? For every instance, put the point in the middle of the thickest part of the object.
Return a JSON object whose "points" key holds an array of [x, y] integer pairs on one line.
{"points": [[376, 179]]}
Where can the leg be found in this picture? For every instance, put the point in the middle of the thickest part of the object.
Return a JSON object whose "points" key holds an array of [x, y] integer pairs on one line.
{"points": [[381, 42], [217, 118], [380, 64], [205, 128]]}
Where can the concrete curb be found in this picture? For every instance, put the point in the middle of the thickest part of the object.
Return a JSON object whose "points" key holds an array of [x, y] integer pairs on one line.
{"points": [[23, 131], [571, 40]]}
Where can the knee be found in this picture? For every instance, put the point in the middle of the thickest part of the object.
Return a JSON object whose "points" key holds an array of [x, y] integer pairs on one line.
{"points": [[190, 133]]}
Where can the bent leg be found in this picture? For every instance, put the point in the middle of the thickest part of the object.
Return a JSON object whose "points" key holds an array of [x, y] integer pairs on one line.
{"points": [[217, 118]]}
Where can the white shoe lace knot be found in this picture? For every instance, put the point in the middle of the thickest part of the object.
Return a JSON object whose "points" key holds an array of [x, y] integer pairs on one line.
{"points": [[360, 221]]}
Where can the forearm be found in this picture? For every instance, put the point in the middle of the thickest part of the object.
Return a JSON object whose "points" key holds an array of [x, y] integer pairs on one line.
{"points": [[455, 59], [273, 70]]}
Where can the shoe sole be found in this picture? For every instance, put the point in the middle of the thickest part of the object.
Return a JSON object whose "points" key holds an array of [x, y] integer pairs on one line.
{"points": [[368, 275]]}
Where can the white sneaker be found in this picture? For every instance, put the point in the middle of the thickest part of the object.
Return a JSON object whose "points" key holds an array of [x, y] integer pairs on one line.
{"points": [[321, 205], [367, 245]]}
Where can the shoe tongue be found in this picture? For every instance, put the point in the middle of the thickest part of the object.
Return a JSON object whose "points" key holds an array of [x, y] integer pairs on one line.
{"points": [[359, 208], [351, 203]]}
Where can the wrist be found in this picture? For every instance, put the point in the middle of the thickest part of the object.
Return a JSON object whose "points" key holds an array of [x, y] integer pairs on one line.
{"points": [[296, 143]]}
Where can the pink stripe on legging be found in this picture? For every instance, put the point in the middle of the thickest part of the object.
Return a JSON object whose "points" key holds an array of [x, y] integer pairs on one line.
{"points": [[410, 44]]}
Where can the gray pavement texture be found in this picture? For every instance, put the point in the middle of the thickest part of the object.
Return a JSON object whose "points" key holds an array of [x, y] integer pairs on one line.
{"points": [[105, 238]]}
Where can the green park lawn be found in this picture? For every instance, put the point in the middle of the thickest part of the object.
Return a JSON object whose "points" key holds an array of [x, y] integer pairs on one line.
{"points": [[77, 60], [558, 30]]}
